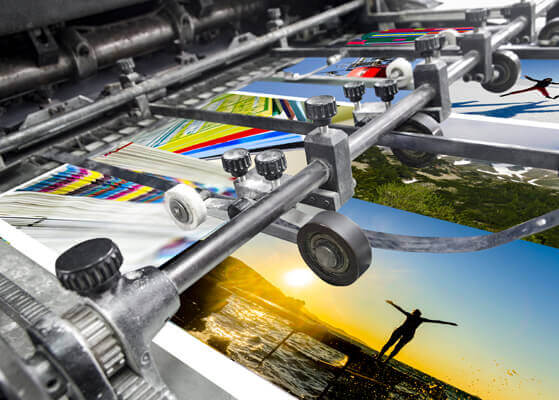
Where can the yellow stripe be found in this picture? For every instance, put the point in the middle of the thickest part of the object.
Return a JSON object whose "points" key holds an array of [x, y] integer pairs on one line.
{"points": [[137, 193], [83, 181]]}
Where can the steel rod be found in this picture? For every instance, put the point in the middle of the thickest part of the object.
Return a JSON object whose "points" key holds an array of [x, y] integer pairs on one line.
{"points": [[543, 6], [74, 118], [189, 266], [506, 34], [249, 121], [461, 67]]}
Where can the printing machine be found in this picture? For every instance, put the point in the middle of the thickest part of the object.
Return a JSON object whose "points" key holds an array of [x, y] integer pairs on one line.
{"points": [[73, 72]]}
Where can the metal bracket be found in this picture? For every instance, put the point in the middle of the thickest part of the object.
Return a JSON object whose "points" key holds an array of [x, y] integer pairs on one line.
{"points": [[85, 59], [45, 46], [480, 41], [435, 75], [331, 146], [324, 199], [183, 24], [528, 10]]}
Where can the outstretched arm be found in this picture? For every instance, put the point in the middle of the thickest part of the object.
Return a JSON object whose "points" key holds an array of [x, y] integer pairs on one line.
{"points": [[397, 307], [530, 79], [436, 321]]}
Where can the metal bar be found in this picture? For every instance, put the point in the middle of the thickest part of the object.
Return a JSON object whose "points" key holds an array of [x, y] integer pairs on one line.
{"points": [[426, 15], [543, 6], [370, 133], [458, 69], [495, 152], [329, 80], [506, 34], [74, 118], [189, 266], [249, 121], [381, 51], [533, 52]]}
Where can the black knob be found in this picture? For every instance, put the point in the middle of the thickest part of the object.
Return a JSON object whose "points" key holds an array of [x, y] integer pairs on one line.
{"points": [[476, 16], [236, 162], [354, 91], [89, 266], [386, 90], [321, 109], [426, 45], [126, 65], [274, 13], [271, 164]]}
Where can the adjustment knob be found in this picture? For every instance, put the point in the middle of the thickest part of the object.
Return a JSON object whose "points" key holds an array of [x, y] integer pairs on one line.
{"points": [[354, 91], [321, 109], [89, 266], [126, 65], [271, 164], [476, 16], [426, 45], [386, 90], [274, 13], [236, 162]]}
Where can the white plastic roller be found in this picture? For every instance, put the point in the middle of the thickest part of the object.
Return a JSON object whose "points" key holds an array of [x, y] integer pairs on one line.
{"points": [[401, 70], [450, 37], [185, 206]]}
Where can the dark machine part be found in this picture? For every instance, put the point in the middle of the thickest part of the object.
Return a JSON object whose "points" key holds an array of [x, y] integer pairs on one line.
{"points": [[80, 48]]}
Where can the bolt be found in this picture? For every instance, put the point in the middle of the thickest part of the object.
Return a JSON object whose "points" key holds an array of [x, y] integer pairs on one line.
{"points": [[479, 77], [326, 257], [179, 211], [145, 358]]}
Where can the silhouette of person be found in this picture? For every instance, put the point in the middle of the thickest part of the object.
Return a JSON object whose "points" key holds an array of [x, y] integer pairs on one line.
{"points": [[540, 86], [405, 332]]}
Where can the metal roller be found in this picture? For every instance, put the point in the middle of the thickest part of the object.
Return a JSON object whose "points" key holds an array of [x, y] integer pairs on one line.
{"points": [[335, 248]]}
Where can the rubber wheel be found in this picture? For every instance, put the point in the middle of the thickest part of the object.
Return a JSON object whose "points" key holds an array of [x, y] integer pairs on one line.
{"points": [[185, 206], [549, 35], [335, 248], [507, 67], [419, 123], [401, 70], [450, 37]]}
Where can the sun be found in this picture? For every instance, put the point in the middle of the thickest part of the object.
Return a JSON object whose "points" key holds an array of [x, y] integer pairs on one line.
{"points": [[299, 277]]}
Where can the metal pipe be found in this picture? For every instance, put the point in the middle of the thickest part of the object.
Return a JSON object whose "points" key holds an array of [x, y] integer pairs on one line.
{"points": [[132, 38], [461, 67], [74, 118], [543, 6], [370, 133], [192, 264], [511, 30]]}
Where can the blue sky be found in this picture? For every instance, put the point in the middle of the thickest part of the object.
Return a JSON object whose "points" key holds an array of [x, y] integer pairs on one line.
{"points": [[504, 299]]}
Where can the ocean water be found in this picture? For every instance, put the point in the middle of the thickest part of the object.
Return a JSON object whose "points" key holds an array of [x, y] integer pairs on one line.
{"points": [[266, 343]]}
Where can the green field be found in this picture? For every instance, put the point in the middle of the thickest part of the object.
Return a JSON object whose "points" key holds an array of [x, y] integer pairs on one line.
{"points": [[460, 194]]}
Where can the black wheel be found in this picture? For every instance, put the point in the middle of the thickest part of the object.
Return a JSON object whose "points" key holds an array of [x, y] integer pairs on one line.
{"points": [[335, 248], [507, 71], [419, 123], [549, 35]]}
